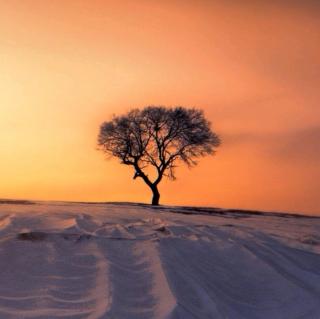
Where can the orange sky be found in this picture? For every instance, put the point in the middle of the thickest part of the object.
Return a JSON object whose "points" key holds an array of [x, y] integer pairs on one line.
{"points": [[253, 66]]}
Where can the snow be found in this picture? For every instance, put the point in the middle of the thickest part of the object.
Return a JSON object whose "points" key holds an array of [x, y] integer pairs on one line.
{"points": [[81, 260]]}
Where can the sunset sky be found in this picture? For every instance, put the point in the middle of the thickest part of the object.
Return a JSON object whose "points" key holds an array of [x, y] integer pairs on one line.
{"points": [[253, 66]]}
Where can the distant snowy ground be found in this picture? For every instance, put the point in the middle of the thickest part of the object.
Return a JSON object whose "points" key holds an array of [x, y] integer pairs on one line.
{"points": [[126, 261]]}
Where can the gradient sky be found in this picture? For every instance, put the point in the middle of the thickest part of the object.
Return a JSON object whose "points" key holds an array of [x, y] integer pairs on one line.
{"points": [[253, 66]]}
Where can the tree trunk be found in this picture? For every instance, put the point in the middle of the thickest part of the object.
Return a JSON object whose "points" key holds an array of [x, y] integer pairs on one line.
{"points": [[155, 195]]}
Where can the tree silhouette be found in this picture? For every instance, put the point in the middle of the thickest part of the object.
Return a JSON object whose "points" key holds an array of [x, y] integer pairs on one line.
{"points": [[155, 139]]}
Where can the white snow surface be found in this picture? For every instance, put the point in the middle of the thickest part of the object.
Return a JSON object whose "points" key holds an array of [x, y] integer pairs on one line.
{"points": [[127, 261]]}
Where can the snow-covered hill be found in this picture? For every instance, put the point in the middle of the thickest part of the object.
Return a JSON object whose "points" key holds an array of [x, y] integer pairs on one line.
{"points": [[126, 261]]}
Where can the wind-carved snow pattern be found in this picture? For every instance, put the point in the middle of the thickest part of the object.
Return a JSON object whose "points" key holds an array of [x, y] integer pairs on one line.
{"points": [[60, 260]]}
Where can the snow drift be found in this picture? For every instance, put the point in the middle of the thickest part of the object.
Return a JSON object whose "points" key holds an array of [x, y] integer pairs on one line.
{"points": [[73, 260]]}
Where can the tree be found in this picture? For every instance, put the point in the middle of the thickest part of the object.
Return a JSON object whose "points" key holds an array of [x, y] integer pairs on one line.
{"points": [[155, 139]]}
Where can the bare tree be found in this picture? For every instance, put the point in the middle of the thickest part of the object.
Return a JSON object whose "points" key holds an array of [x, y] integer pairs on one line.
{"points": [[155, 139]]}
